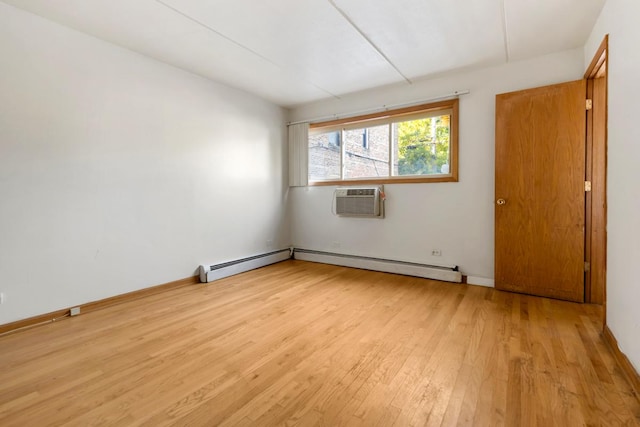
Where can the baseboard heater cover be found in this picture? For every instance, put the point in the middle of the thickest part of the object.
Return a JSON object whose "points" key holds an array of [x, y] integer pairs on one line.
{"points": [[211, 272], [447, 274]]}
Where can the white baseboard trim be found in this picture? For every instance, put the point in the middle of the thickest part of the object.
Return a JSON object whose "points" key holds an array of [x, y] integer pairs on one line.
{"points": [[447, 274], [480, 281], [211, 272]]}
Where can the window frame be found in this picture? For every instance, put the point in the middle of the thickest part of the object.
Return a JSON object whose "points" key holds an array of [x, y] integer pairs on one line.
{"points": [[431, 109]]}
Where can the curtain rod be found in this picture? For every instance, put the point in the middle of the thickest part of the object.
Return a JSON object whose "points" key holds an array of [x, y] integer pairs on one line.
{"points": [[454, 94]]}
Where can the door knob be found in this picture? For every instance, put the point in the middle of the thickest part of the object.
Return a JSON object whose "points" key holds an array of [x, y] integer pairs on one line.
{"points": [[501, 201]]}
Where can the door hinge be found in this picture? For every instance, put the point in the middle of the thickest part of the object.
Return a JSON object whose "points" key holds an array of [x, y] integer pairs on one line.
{"points": [[589, 104], [587, 186], [587, 266]]}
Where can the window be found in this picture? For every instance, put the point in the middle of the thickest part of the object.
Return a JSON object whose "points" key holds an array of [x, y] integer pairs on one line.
{"points": [[415, 144]]}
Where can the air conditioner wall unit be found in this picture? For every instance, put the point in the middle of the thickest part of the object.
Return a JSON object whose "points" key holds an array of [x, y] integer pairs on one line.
{"points": [[364, 202]]}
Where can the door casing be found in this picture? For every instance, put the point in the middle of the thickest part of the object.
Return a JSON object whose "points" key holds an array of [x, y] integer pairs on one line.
{"points": [[596, 172]]}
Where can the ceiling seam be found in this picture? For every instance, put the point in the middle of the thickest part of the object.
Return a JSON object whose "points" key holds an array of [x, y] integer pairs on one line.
{"points": [[248, 49], [380, 52], [505, 29]]}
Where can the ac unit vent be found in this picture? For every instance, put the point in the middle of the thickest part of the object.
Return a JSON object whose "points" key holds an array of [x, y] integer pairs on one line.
{"points": [[361, 192], [359, 202]]}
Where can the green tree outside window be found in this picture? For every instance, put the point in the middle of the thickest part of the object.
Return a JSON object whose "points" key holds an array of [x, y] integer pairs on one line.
{"points": [[423, 146]]}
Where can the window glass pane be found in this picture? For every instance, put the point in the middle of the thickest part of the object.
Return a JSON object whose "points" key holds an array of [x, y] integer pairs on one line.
{"points": [[421, 147], [416, 144], [324, 156], [366, 152]]}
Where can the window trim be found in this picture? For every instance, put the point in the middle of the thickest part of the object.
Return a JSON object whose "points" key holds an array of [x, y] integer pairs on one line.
{"points": [[451, 105]]}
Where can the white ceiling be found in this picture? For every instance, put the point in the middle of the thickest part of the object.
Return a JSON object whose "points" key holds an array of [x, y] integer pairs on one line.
{"points": [[296, 51]]}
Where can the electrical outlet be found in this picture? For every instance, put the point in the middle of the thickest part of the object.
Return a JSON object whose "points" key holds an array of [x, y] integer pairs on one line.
{"points": [[74, 311], [3, 297], [269, 243], [436, 252], [336, 245]]}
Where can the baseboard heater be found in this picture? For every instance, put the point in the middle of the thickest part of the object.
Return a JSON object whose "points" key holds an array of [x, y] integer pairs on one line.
{"points": [[447, 274], [211, 272]]}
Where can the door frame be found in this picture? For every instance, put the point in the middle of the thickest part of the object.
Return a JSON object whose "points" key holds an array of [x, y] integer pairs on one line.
{"points": [[596, 217]]}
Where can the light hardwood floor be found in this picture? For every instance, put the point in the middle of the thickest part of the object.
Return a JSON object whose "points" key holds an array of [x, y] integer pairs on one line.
{"points": [[307, 344]]}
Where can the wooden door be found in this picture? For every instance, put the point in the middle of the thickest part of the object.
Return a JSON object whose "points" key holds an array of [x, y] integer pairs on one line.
{"points": [[540, 201]]}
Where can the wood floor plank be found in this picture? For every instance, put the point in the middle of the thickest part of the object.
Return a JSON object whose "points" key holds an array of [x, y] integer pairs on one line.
{"points": [[307, 344]]}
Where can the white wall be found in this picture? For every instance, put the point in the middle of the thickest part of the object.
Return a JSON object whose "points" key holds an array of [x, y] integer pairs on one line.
{"points": [[456, 218], [619, 19], [118, 172]]}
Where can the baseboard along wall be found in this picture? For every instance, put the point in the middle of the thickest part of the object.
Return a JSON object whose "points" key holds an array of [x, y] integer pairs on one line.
{"points": [[96, 305], [623, 361], [209, 273]]}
